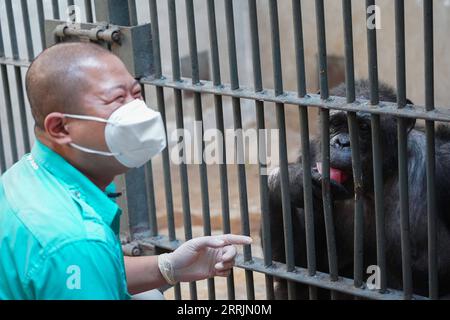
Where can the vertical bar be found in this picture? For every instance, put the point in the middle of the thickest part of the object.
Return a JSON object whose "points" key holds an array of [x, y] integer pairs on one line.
{"points": [[402, 149], [358, 251], [22, 110], [9, 114], [17, 71], [284, 173], [354, 141], [218, 103], [307, 183], [2, 45], [88, 9], [55, 7], [199, 119], [349, 56], [376, 150], [262, 154], [430, 158], [41, 21], [180, 126], [112, 11], [162, 110], [6, 86], [153, 221], [324, 114], [299, 48], [231, 37], [12, 29], [151, 200], [27, 26], [138, 203], [133, 12], [2, 150]]}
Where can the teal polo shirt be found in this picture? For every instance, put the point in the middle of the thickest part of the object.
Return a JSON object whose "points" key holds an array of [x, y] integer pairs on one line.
{"points": [[59, 233]]}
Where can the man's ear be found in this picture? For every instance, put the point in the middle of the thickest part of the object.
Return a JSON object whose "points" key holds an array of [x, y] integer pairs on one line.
{"points": [[55, 127]]}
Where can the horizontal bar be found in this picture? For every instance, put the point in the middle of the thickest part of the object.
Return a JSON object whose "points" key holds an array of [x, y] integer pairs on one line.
{"points": [[15, 62], [321, 280], [313, 100]]}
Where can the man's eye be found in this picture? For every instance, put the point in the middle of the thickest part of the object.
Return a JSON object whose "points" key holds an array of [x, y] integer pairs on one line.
{"points": [[118, 98]]}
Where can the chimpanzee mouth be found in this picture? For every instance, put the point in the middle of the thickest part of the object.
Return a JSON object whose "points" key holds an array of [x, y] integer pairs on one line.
{"points": [[337, 175]]}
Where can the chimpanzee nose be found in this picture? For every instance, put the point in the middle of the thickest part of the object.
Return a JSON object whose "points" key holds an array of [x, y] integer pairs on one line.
{"points": [[342, 141]]}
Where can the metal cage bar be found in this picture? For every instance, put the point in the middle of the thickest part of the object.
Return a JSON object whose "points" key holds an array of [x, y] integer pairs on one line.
{"points": [[430, 152], [2, 148], [376, 150], [55, 7], [150, 188], [199, 119], [262, 154], [27, 27], [218, 105], [325, 141], [89, 11], [284, 171], [402, 149], [358, 246], [41, 21], [180, 126], [242, 180], [162, 109]]}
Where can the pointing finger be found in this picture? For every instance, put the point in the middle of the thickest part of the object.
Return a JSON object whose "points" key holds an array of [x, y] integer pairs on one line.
{"points": [[231, 239]]}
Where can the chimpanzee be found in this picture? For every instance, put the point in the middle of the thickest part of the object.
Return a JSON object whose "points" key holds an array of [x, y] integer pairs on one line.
{"points": [[343, 200]]}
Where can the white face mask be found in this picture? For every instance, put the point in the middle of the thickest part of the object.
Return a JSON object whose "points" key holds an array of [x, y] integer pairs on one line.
{"points": [[134, 134]]}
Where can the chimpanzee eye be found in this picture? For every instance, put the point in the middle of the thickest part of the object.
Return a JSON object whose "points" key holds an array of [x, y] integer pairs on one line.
{"points": [[364, 126]]}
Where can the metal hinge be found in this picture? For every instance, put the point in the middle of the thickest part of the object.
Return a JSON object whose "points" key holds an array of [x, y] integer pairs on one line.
{"points": [[132, 44], [102, 32]]}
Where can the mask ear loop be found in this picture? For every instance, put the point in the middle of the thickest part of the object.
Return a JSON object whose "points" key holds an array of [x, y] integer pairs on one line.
{"points": [[89, 118], [87, 150], [101, 153]]}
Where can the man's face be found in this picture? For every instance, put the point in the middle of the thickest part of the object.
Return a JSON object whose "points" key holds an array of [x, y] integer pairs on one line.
{"points": [[108, 87]]}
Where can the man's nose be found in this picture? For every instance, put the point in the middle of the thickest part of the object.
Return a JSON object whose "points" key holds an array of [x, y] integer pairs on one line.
{"points": [[129, 98]]}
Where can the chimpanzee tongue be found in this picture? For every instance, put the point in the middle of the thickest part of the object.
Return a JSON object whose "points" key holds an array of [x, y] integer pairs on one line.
{"points": [[335, 174]]}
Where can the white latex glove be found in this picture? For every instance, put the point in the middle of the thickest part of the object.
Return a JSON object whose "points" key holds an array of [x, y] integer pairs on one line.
{"points": [[201, 258]]}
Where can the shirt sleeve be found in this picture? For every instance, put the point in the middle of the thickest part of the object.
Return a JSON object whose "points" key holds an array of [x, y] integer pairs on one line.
{"points": [[82, 270]]}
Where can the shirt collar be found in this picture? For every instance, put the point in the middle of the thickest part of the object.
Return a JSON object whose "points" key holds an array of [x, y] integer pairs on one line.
{"points": [[77, 182]]}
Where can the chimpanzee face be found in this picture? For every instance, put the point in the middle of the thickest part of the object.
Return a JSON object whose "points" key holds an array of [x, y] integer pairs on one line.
{"points": [[340, 147]]}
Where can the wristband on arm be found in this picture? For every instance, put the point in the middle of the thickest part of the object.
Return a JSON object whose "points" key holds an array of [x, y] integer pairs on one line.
{"points": [[166, 268]]}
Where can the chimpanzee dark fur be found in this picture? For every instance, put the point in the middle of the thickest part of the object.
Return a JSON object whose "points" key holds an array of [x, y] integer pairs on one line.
{"points": [[343, 203]]}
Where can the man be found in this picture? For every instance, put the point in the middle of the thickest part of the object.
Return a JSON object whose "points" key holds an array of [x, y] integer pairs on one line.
{"points": [[58, 227]]}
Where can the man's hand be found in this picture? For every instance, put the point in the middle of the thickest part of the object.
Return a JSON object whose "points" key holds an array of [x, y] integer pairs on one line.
{"points": [[201, 258]]}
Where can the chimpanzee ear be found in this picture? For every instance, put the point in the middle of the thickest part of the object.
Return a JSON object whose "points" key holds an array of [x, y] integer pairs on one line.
{"points": [[409, 101]]}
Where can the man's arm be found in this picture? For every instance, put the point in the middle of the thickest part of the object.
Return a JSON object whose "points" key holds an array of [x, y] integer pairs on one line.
{"points": [[198, 259], [143, 274]]}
